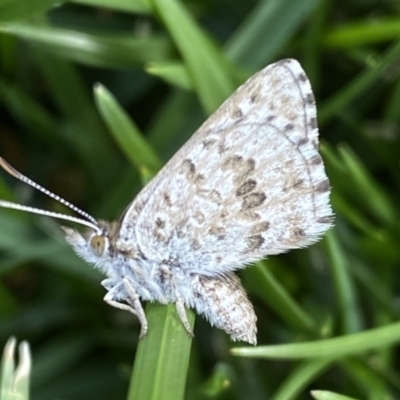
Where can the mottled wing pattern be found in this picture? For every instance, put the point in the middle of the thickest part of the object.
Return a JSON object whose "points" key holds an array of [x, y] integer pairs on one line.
{"points": [[224, 303], [249, 182]]}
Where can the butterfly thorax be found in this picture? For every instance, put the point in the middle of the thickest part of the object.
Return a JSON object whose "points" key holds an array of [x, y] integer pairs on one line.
{"points": [[151, 278]]}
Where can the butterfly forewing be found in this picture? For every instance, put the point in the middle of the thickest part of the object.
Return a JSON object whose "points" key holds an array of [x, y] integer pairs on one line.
{"points": [[249, 182]]}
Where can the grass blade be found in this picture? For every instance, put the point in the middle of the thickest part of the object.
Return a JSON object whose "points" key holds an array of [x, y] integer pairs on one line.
{"points": [[162, 357]]}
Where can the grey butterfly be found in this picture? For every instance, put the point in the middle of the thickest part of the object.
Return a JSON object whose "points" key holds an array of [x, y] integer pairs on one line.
{"points": [[249, 183]]}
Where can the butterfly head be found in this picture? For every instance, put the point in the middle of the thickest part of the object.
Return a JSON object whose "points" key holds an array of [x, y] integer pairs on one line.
{"points": [[93, 245]]}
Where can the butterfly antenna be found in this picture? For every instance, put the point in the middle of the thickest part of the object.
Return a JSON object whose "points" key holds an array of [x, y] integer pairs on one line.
{"points": [[91, 222]]}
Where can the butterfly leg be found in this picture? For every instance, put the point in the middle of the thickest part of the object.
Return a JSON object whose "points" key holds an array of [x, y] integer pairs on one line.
{"points": [[137, 308], [137, 305], [180, 308], [109, 299], [179, 304]]}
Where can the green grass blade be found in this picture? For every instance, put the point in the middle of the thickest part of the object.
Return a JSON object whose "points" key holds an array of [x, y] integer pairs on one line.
{"points": [[116, 51], [371, 382], [359, 196], [172, 72], [373, 196], [262, 281], [374, 287], [132, 6], [162, 357], [301, 376], [311, 56], [362, 33], [206, 64], [174, 122], [358, 86], [125, 132], [344, 287], [276, 20], [21, 9], [355, 217], [334, 348], [327, 395]]}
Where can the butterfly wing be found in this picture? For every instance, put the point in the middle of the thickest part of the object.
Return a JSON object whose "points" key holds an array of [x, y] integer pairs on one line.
{"points": [[248, 183], [224, 303]]}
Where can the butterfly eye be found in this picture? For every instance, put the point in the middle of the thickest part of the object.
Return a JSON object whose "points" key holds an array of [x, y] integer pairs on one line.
{"points": [[97, 245]]}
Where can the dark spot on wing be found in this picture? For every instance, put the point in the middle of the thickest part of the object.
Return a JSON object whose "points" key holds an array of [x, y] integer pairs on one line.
{"points": [[250, 164], [302, 77], [299, 232], [208, 143], [298, 182], [238, 113], [246, 187], [233, 161], [189, 168], [310, 98], [322, 186], [253, 200], [313, 123], [254, 242], [302, 141], [200, 178], [160, 223], [316, 160], [240, 167], [167, 199], [222, 148]]}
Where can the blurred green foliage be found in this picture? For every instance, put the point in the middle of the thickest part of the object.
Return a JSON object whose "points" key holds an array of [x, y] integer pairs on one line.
{"points": [[97, 94]]}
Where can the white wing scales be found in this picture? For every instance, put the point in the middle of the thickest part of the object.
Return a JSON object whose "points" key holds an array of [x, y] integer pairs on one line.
{"points": [[249, 182]]}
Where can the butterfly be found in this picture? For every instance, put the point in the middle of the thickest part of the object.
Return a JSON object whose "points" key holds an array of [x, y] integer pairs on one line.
{"points": [[249, 183]]}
